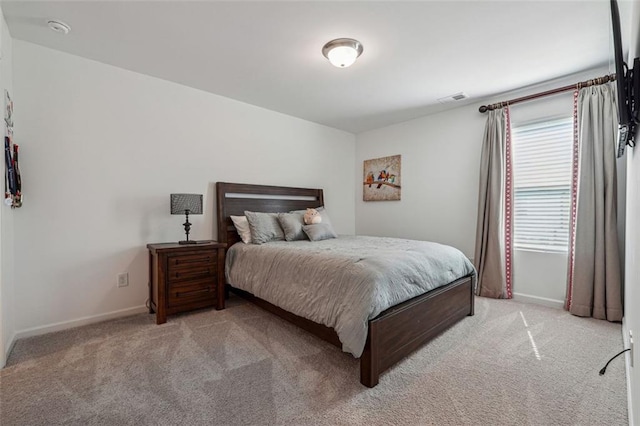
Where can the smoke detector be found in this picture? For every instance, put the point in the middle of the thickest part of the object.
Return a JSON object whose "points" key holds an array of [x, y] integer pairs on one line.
{"points": [[59, 27], [453, 98]]}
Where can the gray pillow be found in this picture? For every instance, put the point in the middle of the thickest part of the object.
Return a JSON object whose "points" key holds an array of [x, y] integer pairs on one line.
{"points": [[292, 226], [324, 215], [319, 231], [264, 227]]}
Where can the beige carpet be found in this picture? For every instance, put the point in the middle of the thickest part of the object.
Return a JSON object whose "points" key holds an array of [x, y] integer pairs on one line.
{"points": [[245, 366]]}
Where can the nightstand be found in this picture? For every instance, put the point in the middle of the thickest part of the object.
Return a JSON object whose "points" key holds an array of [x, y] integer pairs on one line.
{"points": [[184, 277]]}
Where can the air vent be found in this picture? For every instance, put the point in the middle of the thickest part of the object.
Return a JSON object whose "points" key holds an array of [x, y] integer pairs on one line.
{"points": [[452, 98]]}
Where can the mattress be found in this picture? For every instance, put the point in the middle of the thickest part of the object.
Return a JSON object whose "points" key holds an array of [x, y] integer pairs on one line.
{"points": [[343, 282]]}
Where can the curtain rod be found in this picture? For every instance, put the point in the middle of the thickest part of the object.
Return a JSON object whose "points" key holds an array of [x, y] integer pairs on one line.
{"points": [[577, 86]]}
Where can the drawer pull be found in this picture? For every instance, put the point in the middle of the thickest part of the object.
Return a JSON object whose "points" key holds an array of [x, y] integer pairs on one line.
{"points": [[190, 293], [186, 261], [194, 273]]}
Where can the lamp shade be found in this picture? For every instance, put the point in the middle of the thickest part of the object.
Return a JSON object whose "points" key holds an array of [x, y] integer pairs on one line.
{"points": [[180, 203], [342, 52]]}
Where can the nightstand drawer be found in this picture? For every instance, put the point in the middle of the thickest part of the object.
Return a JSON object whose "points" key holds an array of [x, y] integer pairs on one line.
{"points": [[192, 292], [191, 267]]}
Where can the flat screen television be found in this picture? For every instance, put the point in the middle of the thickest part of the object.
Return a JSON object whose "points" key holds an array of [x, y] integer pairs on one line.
{"points": [[628, 83]]}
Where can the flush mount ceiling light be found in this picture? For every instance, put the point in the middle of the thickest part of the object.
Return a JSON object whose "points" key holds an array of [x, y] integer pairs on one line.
{"points": [[59, 27], [342, 52]]}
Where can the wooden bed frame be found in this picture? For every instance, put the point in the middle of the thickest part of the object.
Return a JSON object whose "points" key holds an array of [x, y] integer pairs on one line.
{"points": [[396, 332]]}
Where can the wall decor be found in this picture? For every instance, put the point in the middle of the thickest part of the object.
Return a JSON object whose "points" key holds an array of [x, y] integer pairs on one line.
{"points": [[12, 179], [382, 179]]}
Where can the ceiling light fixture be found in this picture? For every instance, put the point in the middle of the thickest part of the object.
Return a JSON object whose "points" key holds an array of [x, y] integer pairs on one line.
{"points": [[342, 52], [59, 27]]}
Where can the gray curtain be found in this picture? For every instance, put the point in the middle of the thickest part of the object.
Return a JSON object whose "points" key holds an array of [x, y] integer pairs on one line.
{"points": [[490, 250], [593, 285]]}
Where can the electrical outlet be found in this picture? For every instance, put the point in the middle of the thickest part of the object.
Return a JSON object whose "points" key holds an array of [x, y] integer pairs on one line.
{"points": [[123, 279], [630, 348]]}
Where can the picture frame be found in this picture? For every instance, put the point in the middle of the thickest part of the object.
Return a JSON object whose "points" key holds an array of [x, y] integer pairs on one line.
{"points": [[382, 179]]}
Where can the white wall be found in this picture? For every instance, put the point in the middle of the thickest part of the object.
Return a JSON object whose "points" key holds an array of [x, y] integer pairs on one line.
{"points": [[440, 162], [632, 273], [7, 330], [540, 277], [104, 148], [440, 166]]}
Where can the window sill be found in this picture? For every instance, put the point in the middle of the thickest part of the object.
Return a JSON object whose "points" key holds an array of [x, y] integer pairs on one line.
{"points": [[540, 250]]}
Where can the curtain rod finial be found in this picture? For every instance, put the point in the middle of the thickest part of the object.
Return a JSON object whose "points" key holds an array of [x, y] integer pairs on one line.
{"points": [[483, 109]]}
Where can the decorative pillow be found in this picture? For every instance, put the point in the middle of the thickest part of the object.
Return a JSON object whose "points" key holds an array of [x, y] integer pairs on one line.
{"points": [[242, 226], [323, 214], [292, 226], [264, 227], [319, 231], [311, 217]]}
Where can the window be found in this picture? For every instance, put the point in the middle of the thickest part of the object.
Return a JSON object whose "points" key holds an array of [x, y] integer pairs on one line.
{"points": [[542, 166]]}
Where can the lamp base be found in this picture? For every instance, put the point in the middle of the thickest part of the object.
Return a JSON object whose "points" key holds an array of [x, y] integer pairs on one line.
{"points": [[187, 242]]}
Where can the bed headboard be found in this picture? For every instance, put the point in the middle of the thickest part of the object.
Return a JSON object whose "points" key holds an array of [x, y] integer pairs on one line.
{"points": [[235, 198]]}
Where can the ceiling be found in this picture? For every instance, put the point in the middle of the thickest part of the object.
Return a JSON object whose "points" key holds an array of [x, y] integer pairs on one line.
{"points": [[268, 53]]}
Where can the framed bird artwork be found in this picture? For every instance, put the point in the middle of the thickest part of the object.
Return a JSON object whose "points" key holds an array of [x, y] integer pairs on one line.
{"points": [[382, 179]]}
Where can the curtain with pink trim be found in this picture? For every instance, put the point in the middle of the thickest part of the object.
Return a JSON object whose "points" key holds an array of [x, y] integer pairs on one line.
{"points": [[594, 273], [493, 250]]}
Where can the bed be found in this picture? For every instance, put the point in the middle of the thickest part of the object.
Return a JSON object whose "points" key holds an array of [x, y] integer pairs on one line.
{"points": [[388, 336]]}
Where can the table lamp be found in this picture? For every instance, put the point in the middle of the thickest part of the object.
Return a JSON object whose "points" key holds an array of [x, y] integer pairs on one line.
{"points": [[186, 204]]}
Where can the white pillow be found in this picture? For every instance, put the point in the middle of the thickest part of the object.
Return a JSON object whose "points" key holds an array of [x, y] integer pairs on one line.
{"points": [[242, 226]]}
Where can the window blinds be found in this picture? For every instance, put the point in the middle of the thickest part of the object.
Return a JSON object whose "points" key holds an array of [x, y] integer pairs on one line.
{"points": [[542, 164]]}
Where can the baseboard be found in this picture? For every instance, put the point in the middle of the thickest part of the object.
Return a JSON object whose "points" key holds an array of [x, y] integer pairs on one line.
{"points": [[9, 348], [64, 325], [527, 298], [627, 366]]}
